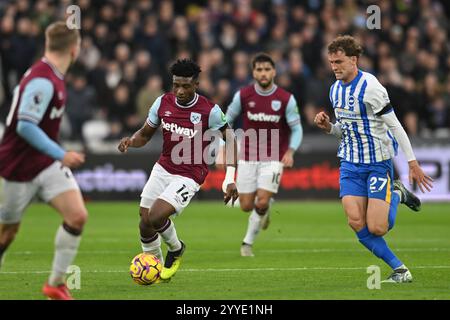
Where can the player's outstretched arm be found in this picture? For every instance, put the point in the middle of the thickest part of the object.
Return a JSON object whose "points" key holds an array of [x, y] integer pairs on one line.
{"points": [[229, 186], [139, 138], [415, 171]]}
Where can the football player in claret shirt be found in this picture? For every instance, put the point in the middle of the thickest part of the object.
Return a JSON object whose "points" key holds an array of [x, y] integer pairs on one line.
{"points": [[174, 180], [33, 163], [370, 134], [270, 114]]}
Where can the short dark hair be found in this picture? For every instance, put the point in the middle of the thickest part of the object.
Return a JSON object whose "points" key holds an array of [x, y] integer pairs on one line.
{"points": [[347, 44], [262, 57], [185, 68]]}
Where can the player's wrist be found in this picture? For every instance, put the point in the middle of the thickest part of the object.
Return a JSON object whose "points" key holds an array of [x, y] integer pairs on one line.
{"points": [[413, 163], [329, 128], [132, 141]]}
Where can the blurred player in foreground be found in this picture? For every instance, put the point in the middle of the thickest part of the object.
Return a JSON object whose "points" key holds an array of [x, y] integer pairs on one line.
{"points": [[370, 134], [177, 175], [31, 161]]}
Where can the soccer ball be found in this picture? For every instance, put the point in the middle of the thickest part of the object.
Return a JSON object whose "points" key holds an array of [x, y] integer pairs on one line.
{"points": [[145, 269]]}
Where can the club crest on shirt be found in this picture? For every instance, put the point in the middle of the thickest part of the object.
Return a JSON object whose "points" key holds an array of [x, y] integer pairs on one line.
{"points": [[351, 101], [195, 117], [276, 105]]}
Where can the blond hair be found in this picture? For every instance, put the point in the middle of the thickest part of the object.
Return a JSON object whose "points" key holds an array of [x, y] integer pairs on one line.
{"points": [[59, 38]]}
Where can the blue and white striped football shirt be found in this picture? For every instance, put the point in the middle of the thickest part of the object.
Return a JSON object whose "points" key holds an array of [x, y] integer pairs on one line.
{"points": [[365, 137]]}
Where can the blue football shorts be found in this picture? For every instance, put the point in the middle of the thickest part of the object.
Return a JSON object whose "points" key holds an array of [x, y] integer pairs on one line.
{"points": [[372, 180]]}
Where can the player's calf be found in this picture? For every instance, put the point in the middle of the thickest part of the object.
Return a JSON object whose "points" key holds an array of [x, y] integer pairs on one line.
{"points": [[150, 240], [7, 235]]}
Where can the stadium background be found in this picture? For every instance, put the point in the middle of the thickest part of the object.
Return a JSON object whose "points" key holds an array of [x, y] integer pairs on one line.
{"points": [[127, 47], [308, 252]]}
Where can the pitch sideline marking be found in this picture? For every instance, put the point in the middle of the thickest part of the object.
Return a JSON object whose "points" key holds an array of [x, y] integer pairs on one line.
{"points": [[324, 250], [230, 270]]}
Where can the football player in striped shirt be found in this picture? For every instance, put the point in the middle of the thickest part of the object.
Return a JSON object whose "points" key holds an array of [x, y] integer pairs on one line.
{"points": [[369, 133]]}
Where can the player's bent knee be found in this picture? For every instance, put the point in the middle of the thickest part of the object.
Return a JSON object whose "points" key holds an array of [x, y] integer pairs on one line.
{"points": [[145, 219], [378, 229], [356, 225], [262, 203], [78, 220], [247, 206], [158, 222], [155, 219], [143, 211]]}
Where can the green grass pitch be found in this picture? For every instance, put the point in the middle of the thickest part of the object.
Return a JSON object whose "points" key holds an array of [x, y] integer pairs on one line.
{"points": [[308, 252]]}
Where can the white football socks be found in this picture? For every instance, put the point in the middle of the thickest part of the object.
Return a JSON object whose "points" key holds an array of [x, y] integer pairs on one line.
{"points": [[253, 227], [66, 247], [170, 237], [154, 248]]}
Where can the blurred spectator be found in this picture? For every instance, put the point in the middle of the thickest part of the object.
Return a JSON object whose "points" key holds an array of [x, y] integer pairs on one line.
{"points": [[80, 104], [223, 93], [128, 45], [89, 54], [439, 114], [121, 112], [7, 55], [147, 95]]}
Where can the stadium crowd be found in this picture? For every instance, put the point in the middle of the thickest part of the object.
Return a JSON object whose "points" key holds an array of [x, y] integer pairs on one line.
{"points": [[127, 47]]}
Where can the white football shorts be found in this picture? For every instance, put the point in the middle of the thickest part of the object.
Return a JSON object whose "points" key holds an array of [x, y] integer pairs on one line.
{"points": [[253, 175], [49, 183], [174, 189]]}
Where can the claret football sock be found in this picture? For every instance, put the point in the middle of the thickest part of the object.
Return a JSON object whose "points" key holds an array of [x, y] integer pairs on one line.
{"points": [[67, 241], [169, 235], [378, 246]]}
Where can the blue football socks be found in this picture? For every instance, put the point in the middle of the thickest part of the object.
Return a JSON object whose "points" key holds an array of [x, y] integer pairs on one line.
{"points": [[395, 200], [378, 246]]}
